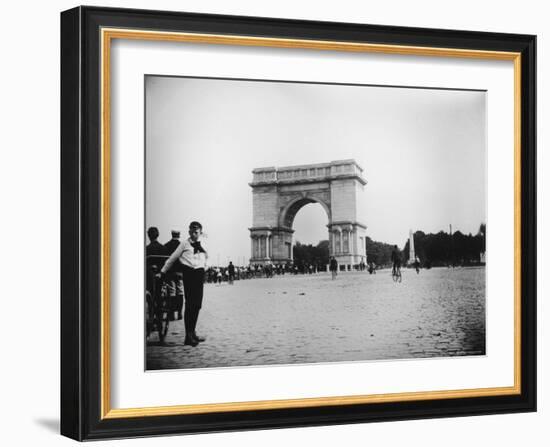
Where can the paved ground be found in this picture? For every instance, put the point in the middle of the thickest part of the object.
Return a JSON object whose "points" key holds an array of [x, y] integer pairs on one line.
{"points": [[308, 319]]}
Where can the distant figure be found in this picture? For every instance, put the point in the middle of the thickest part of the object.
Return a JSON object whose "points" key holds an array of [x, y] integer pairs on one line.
{"points": [[333, 266], [396, 260], [175, 287], [154, 247], [173, 243], [417, 264], [154, 258], [231, 272], [192, 256], [372, 268]]}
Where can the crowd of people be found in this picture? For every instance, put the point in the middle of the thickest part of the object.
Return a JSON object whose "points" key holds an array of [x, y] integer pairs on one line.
{"points": [[219, 274], [178, 270], [230, 273]]}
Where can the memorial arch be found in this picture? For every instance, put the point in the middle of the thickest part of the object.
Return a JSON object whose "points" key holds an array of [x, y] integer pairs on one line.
{"points": [[280, 192]]}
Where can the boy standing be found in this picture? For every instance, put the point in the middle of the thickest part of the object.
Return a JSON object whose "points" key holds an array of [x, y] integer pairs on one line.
{"points": [[192, 256]]}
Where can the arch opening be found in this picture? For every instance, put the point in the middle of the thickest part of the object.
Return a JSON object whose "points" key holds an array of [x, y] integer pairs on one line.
{"points": [[310, 224], [310, 245], [289, 214]]}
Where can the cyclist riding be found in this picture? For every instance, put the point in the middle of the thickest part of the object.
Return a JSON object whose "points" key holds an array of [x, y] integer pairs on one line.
{"points": [[417, 264], [396, 261]]}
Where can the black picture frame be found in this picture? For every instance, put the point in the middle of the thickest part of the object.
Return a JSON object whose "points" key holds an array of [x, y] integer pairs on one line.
{"points": [[82, 211]]}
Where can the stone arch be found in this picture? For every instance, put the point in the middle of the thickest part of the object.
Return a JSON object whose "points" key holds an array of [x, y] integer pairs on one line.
{"points": [[288, 212], [279, 193]]}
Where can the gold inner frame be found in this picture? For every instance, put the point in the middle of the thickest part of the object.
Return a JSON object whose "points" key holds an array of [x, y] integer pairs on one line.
{"points": [[107, 35]]}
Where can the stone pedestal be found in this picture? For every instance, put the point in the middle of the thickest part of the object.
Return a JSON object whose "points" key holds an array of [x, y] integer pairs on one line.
{"points": [[270, 244], [347, 243]]}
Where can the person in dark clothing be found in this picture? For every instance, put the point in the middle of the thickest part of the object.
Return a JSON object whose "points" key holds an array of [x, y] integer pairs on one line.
{"points": [[231, 271], [192, 256], [173, 277], [417, 264], [333, 266], [173, 243], [396, 260], [154, 248], [155, 255], [372, 268]]}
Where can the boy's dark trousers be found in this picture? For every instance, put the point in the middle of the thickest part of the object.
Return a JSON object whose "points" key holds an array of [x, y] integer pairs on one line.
{"points": [[193, 285], [178, 306]]}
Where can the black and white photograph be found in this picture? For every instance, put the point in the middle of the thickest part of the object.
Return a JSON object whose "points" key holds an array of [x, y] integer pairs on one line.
{"points": [[298, 219], [299, 222]]}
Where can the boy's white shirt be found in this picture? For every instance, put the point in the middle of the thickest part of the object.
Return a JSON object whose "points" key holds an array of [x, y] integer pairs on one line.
{"points": [[187, 256]]}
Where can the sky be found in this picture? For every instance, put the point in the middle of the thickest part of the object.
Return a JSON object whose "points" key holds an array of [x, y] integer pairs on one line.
{"points": [[423, 154]]}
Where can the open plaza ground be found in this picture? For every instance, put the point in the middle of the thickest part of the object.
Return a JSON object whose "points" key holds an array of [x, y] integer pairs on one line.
{"points": [[293, 319]]}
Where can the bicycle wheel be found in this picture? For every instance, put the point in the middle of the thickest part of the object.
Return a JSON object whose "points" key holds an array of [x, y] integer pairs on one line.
{"points": [[148, 322], [163, 326], [163, 318]]}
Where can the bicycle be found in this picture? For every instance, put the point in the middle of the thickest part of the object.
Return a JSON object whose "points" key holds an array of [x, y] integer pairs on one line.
{"points": [[396, 274], [158, 309]]}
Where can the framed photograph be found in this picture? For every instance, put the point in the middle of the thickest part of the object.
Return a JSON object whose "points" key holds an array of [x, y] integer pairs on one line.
{"points": [[275, 223]]}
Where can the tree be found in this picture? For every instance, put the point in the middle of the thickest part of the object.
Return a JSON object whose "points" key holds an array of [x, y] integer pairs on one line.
{"points": [[378, 252], [482, 232], [444, 249], [308, 254]]}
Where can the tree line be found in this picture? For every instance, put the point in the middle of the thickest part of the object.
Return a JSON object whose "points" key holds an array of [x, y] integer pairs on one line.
{"points": [[432, 249], [311, 254], [444, 249]]}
